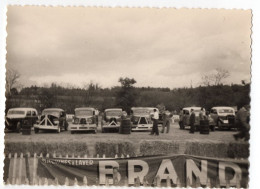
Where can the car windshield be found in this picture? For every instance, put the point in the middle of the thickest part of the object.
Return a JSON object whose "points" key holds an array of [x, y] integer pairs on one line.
{"points": [[142, 111], [51, 112], [114, 113], [10, 112], [225, 111], [84, 113]]}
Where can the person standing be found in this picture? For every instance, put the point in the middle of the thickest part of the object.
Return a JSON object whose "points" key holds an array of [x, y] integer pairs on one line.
{"points": [[243, 118], [181, 119], [166, 123], [192, 121], [202, 114], [96, 116], [155, 118]]}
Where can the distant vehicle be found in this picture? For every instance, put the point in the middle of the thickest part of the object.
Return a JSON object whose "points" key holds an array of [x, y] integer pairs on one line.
{"points": [[84, 120], [186, 117], [16, 116], [111, 119], [69, 117], [52, 119], [223, 116], [141, 118]]}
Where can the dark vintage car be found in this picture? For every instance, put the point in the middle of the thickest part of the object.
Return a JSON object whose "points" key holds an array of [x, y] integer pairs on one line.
{"points": [[15, 118], [52, 119], [224, 117], [112, 119], [84, 120]]}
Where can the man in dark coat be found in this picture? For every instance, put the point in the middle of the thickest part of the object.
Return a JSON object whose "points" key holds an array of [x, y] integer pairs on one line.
{"points": [[243, 119], [192, 121]]}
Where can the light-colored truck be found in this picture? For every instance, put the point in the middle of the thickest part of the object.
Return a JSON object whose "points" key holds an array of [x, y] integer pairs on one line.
{"points": [[84, 120], [141, 118], [52, 119]]}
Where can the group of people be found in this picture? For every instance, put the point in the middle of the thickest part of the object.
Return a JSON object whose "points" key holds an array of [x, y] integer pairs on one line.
{"points": [[166, 123]]}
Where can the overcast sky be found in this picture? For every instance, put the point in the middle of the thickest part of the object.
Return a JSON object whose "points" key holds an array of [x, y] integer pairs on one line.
{"points": [[157, 47]]}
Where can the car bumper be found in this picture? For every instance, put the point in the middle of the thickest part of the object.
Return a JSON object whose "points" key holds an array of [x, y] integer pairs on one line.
{"points": [[111, 126], [91, 127], [44, 127], [147, 127]]}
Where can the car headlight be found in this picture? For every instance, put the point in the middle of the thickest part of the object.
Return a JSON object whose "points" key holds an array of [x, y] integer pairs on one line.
{"points": [[56, 122]]}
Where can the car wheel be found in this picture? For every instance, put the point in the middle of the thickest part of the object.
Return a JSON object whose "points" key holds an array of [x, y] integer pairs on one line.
{"points": [[36, 130], [18, 127], [58, 130], [212, 128]]}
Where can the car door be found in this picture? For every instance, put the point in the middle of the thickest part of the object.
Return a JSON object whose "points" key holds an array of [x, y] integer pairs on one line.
{"points": [[214, 115]]}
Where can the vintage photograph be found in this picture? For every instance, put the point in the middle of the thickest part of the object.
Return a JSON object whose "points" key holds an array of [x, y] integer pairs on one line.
{"points": [[127, 97]]}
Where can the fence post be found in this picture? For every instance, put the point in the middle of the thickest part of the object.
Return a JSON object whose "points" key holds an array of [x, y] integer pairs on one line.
{"points": [[54, 155], [126, 181], [85, 156], [97, 181], [238, 185], [208, 184], [145, 181], [67, 156], [178, 183], [116, 156], [127, 156], [47, 155], [38, 181], [75, 182], [7, 181], [45, 181], [104, 156], [197, 182], [26, 182], [158, 181], [188, 182], [34, 167], [56, 182], [107, 182], [20, 168], [122, 156], [40, 155], [217, 183], [137, 182], [168, 182], [66, 183], [97, 155], [60, 156], [85, 181], [73, 156], [14, 168], [227, 183]]}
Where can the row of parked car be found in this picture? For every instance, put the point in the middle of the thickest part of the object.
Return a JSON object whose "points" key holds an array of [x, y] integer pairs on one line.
{"points": [[85, 119]]}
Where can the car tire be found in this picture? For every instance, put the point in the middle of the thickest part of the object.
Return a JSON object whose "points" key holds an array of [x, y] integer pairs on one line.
{"points": [[212, 128], [58, 130], [18, 127], [36, 130]]}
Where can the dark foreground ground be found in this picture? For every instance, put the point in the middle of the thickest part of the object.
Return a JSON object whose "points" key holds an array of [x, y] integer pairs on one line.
{"points": [[215, 144]]}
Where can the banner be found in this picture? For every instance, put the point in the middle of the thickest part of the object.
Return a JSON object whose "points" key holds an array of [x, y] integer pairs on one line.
{"points": [[168, 170]]}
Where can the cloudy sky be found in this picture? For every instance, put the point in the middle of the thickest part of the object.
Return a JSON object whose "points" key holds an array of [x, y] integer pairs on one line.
{"points": [[157, 47]]}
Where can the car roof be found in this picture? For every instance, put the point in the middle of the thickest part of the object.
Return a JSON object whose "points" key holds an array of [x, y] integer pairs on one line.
{"points": [[194, 108], [54, 109], [150, 108], [22, 109], [222, 107], [84, 108], [109, 109]]}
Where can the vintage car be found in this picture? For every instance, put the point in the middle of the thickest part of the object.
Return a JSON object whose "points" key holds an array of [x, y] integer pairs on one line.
{"points": [[185, 122], [141, 118], [52, 119], [223, 116], [84, 120], [111, 120], [16, 116]]}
